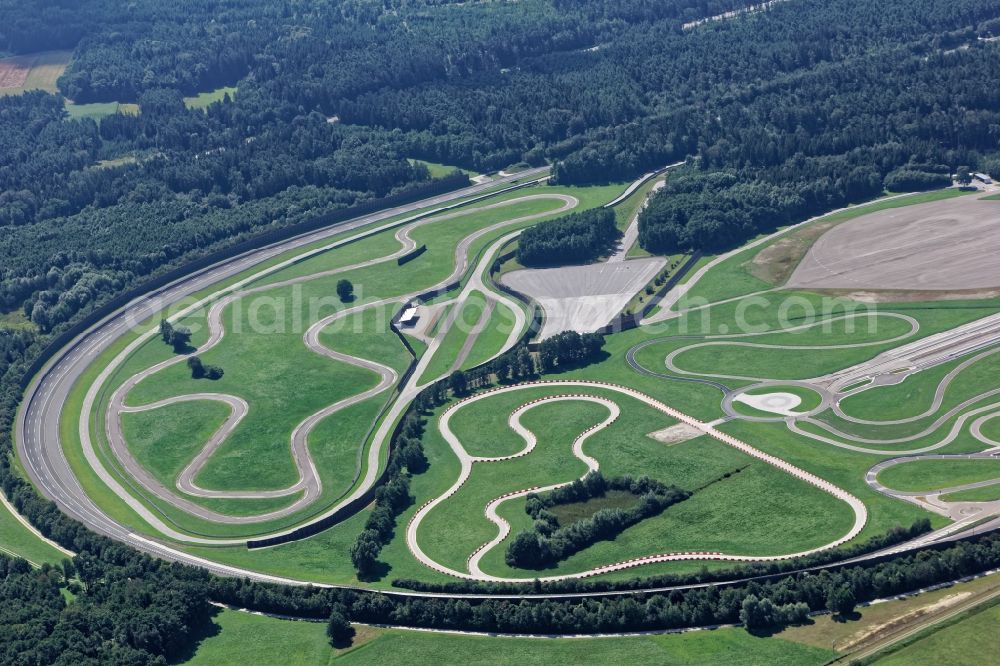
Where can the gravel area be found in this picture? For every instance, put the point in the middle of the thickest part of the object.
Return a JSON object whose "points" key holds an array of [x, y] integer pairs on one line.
{"points": [[942, 245]]}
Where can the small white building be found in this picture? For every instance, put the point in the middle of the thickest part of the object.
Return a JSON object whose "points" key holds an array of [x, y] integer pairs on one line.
{"points": [[983, 178], [409, 318]]}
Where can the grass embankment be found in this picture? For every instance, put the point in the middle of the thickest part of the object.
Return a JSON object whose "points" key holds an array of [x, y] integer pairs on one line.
{"points": [[17, 540], [874, 625], [970, 640], [242, 638], [928, 475]]}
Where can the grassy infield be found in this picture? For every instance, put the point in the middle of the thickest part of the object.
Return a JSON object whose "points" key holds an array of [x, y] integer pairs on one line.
{"points": [[736, 515], [717, 517], [285, 380]]}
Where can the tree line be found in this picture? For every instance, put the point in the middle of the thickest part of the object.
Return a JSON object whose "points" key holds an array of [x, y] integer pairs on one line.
{"points": [[549, 542], [759, 603]]}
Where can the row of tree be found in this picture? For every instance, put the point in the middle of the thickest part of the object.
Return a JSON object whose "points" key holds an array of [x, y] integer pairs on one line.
{"points": [[569, 349], [406, 457], [771, 601]]}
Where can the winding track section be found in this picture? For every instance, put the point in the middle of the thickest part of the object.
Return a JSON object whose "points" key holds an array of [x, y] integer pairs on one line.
{"points": [[467, 461], [37, 427], [308, 483]]}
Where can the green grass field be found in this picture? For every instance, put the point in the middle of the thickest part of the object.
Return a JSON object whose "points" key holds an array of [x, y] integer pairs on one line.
{"points": [[17, 540], [98, 110], [204, 99], [493, 337], [810, 399], [289, 378], [243, 638], [466, 319], [717, 517], [755, 510], [923, 475], [985, 494], [912, 396]]}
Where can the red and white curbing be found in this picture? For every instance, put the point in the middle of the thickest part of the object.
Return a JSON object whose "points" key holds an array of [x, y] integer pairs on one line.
{"points": [[475, 573]]}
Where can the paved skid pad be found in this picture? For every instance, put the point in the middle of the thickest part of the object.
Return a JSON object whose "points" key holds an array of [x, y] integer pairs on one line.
{"points": [[776, 403], [948, 245], [583, 298]]}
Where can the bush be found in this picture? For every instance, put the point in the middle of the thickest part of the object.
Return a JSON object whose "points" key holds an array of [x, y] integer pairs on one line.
{"points": [[548, 542], [907, 180], [338, 629], [201, 371]]}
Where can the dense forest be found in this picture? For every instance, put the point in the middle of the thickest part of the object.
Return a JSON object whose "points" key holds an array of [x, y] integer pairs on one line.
{"points": [[788, 113]]}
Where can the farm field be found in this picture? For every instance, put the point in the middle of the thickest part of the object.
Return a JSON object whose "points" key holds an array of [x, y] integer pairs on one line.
{"points": [[34, 71]]}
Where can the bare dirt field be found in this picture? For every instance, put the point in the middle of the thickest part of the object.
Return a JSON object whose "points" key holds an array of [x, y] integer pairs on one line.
{"points": [[33, 71], [14, 71], [583, 298], [946, 245]]}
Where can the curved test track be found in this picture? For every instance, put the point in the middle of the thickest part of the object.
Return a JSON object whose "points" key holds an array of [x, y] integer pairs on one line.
{"points": [[467, 461]]}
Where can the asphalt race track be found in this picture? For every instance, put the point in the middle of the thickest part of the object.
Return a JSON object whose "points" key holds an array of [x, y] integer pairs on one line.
{"points": [[37, 427]]}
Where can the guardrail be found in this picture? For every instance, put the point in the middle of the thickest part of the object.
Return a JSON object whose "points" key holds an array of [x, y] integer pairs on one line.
{"points": [[410, 256]]}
